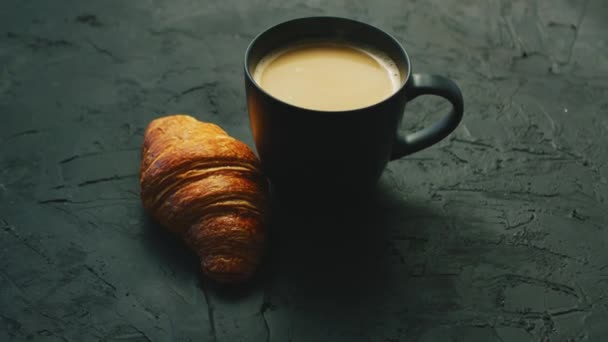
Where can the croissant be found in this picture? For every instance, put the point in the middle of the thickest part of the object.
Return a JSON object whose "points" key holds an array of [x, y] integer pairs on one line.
{"points": [[207, 188]]}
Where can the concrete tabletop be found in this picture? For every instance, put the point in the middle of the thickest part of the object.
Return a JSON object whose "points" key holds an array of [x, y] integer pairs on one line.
{"points": [[498, 233]]}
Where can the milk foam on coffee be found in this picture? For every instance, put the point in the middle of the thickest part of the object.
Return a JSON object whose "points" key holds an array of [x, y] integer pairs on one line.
{"points": [[328, 75]]}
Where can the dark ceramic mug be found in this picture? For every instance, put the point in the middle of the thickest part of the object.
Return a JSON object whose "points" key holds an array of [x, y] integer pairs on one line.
{"points": [[306, 151]]}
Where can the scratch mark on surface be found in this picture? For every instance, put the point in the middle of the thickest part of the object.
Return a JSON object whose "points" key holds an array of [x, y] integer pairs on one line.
{"points": [[473, 142], [545, 250], [22, 134], [264, 307], [190, 90], [11, 325], [577, 31], [516, 40], [131, 336], [199, 87], [10, 229], [143, 334], [517, 225], [516, 91], [92, 154], [179, 295], [497, 335], [515, 279], [542, 109], [105, 179], [105, 52], [68, 213], [565, 312], [466, 131], [69, 201], [67, 160], [210, 313], [14, 284], [44, 43], [105, 205], [54, 200], [266, 326], [455, 156], [505, 192], [89, 19], [36, 43], [48, 333], [102, 279], [575, 214], [168, 73], [530, 151], [169, 31]]}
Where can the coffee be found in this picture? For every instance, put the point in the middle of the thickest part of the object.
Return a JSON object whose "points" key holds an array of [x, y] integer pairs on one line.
{"points": [[328, 76]]}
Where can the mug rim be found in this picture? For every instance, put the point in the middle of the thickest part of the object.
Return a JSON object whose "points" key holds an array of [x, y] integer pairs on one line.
{"points": [[369, 26]]}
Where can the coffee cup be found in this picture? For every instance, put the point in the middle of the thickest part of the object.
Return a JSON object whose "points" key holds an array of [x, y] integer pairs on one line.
{"points": [[335, 145]]}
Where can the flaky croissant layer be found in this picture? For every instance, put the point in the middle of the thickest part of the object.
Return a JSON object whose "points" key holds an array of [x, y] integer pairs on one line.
{"points": [[206, 187]]}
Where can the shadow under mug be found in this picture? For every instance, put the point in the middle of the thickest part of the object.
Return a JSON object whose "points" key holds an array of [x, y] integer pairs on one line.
{"points": [[329, 153]]}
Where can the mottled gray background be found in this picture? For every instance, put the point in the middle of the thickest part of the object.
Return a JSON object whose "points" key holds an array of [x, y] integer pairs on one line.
{"points": [[498, 233]]}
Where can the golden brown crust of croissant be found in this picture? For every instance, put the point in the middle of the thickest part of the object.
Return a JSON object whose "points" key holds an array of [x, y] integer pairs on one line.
{"points": [[206, 187]]}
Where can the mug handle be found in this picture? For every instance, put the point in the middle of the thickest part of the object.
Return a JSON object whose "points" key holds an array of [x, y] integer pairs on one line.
{"points": [[422, 84]]}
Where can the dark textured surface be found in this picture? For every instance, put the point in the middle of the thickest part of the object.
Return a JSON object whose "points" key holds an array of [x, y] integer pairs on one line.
{"points": [[498, 233]]}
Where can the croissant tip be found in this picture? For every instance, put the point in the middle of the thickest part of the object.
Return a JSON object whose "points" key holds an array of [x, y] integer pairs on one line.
{"points": [[226, 270], [173, 116]]}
